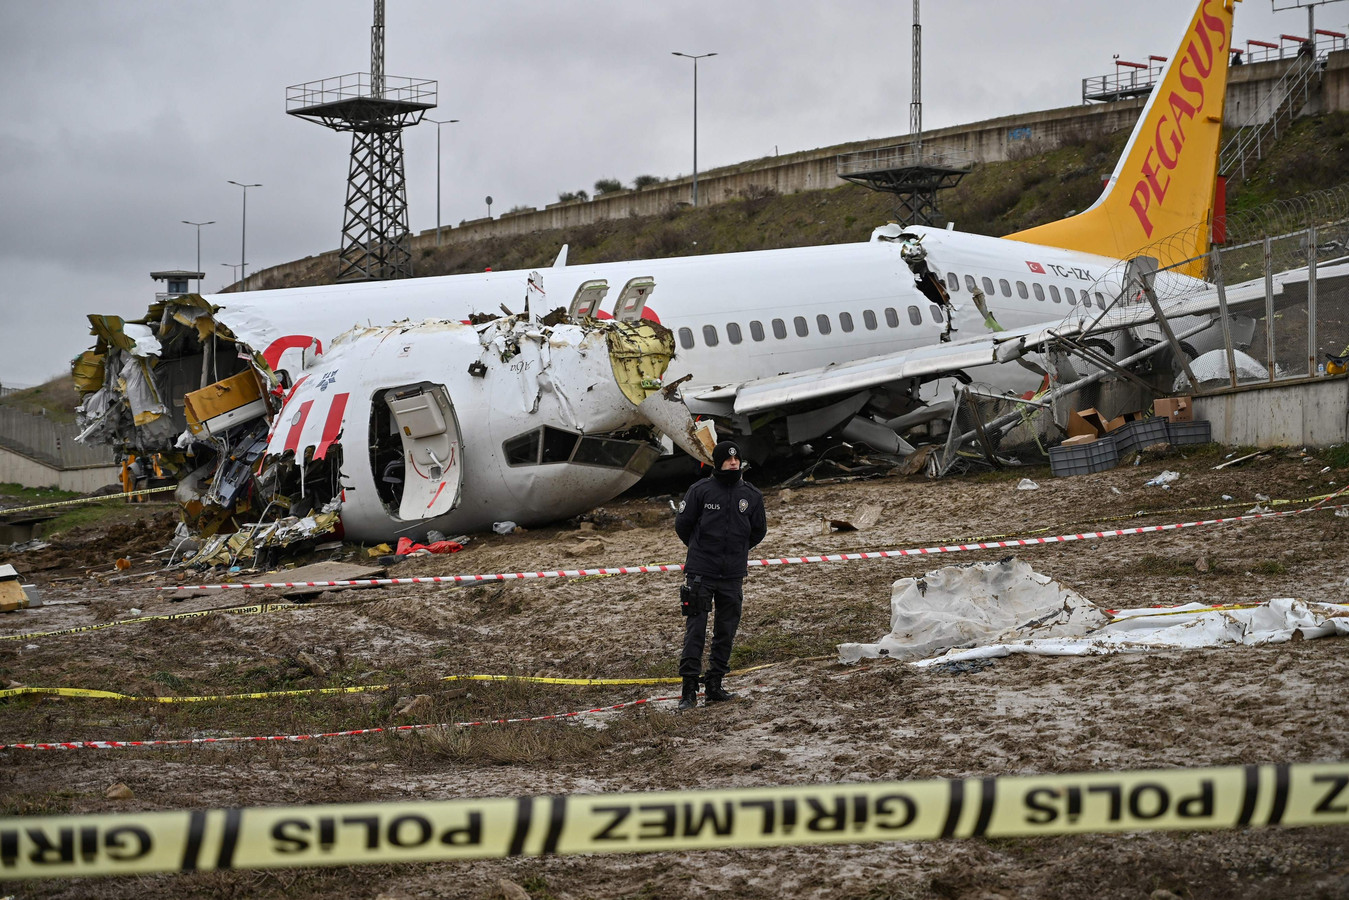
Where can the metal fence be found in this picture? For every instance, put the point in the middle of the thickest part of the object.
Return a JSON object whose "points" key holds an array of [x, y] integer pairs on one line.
{"points": [[49, 442], [1304, 319]]}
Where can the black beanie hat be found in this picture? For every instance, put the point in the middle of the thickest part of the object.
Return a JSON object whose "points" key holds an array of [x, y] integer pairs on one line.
{"points": [[724, 451]]}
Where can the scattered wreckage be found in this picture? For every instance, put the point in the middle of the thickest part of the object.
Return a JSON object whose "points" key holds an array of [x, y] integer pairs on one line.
{"points": [[393, 430]]}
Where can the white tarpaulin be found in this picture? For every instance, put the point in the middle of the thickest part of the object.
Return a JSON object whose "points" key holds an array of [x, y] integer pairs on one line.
{"points": [[977, 603], [1178, 628]]}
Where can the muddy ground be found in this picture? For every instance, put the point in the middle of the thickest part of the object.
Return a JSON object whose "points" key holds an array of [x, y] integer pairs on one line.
{"points": [[805, 719]]}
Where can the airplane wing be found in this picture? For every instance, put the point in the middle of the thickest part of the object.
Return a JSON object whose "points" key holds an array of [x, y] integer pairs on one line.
{"points": [[933, 361]]}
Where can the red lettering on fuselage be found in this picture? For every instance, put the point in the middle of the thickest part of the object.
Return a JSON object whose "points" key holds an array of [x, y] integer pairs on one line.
{"points": [[1168, 138]]}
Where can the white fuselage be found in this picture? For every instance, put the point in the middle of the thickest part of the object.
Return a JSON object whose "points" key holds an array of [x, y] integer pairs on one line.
{"points": [[863, 293]]}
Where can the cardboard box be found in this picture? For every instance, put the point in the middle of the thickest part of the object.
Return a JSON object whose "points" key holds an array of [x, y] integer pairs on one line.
{"points": [[1086, 421], [239, 394], [1077, 440], [1174, 409], [1119, 422]]}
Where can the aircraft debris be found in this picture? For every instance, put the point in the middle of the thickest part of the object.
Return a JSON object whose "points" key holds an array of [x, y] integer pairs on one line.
{"points": [[13, 595], [387, 430], [1188, 627], [959, 605]]}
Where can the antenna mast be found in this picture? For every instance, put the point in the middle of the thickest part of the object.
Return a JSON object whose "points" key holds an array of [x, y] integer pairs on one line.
{"points": [[916, 105]]}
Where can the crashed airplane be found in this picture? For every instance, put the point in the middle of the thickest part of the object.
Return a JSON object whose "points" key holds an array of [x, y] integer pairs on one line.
{"points": [[779, 347], [394, 429]]}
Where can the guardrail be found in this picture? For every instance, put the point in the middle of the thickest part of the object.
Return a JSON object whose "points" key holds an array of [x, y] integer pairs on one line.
{"points": [[356, 85]]}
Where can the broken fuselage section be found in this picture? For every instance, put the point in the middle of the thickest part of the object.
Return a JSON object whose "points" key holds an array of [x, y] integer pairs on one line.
{"points": [[394, 430]]}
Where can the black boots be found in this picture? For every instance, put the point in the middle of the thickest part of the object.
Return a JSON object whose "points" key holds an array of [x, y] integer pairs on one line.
{"points": [[688, 698], [715, 693]]}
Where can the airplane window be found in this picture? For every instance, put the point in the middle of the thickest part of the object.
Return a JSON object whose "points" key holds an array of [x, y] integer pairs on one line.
{"points": [[756, 330], [953, 281], [710, 335], [869, 319], [557, 444], [845, 321], [969, 283], [891, 317], [936, 314], [686, 338], [988, 286], [733, 332], [1086, 299], [1072, 296], [1100, 300], [1054, 294], [1039, 291], [1006, 288], [915, 317], [522, 450], [802, 329], [1021, 290], [603, 452], [822, 323], [779, 329]]}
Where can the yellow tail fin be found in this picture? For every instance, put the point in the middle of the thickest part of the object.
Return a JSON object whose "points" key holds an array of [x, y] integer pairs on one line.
{"points": [[1160, 196]]}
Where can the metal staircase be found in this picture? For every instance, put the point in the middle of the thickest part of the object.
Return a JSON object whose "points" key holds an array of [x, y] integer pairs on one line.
{"points": [[1288, 95]]}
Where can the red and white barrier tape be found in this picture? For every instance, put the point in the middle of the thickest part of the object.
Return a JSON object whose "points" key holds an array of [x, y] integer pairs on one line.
{"points": [[356, 732], [780, 561]]}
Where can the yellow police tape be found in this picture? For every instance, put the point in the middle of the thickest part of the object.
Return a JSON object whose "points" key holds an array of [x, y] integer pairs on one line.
{"points": [[92, 694], [78, 500], [423, 831]]}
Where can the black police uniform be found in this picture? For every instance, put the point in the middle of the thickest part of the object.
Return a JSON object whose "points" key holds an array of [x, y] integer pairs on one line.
{"points": [[719, 521]]}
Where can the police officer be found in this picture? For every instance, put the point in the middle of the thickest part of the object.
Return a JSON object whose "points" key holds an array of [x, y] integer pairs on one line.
{"points": [[721, 518]]}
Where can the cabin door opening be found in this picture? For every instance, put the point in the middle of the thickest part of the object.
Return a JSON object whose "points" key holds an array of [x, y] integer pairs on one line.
{"points": [[416, 451]]}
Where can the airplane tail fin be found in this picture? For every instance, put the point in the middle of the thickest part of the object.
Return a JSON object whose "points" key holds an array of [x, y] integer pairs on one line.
{"points": [[1160, 195]]}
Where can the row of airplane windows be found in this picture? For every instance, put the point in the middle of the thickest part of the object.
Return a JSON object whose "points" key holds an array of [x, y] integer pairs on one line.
{"points": [[953, 285], [823, 325]]}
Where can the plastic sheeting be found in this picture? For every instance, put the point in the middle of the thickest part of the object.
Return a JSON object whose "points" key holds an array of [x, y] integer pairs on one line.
{"points": [[1186, 627], [957, 606]]}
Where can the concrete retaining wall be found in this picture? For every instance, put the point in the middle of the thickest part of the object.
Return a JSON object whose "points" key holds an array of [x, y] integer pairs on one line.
{"points": [[1312, 412], [19, 469]]}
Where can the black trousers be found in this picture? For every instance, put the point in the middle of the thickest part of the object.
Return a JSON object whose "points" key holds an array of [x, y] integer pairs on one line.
{"points": [[728, 598]]}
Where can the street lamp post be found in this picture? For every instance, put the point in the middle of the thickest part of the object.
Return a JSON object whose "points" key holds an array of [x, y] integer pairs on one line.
{"points": [[243, 241], [198, 225], [438, 123], [234, 272], [695, 59]]}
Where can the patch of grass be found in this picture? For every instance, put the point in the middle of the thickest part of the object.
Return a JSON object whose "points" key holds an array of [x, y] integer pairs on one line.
{"points": [[34, 495], [171, 681], [1269, 567], [776, 645], [94, 514], [1338, 456]]}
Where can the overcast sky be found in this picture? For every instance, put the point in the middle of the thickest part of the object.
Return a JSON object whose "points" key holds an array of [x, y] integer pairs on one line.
{"points": [[120, 118]]}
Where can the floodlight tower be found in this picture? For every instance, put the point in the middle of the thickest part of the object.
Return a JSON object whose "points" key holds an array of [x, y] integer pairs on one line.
{"points": [[376, 240]]}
